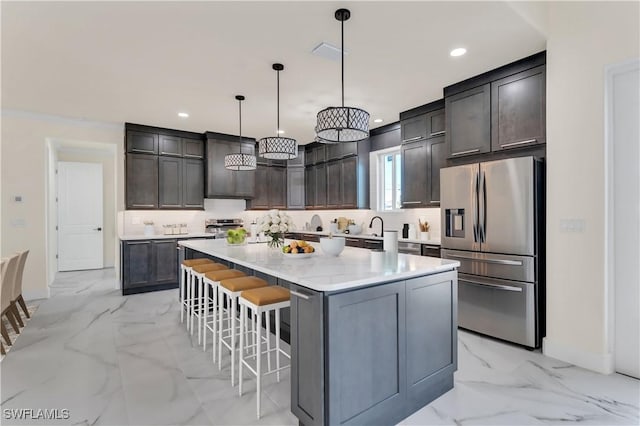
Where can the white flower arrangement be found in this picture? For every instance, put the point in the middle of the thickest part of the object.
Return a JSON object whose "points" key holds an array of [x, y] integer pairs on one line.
{"points": [[274, 224]]}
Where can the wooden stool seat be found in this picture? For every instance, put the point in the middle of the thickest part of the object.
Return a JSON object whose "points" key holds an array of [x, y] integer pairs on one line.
{"points": [[243, 283], [223, 274], [191, 262], [266, 295], [207, 267]]}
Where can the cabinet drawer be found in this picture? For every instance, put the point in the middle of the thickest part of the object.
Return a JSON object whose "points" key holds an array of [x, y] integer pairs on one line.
{"points": [[354, 242]]}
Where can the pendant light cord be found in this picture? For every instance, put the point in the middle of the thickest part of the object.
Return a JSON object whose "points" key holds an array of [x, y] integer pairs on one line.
{"points": [[342, 52], [240, 120], [278, 103]]}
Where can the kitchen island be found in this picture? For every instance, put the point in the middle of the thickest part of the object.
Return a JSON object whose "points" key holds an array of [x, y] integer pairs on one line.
{"points": [[372, 339]]}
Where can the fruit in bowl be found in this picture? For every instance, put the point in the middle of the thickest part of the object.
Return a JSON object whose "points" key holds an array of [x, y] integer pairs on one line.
{"points": [[236, 236], [298, 247]]}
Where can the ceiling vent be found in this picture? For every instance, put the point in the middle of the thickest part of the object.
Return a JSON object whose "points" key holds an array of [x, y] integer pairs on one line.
{"points": [[328, 51]]}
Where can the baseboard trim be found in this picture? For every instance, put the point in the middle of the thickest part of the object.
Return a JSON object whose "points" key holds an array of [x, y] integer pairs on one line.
{"points": [[600, 363], [43, 293]]}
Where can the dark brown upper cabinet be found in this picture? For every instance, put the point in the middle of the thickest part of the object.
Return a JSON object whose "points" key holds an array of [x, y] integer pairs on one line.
{"points": [[192, 148], [315, 153], [170, 145], [334, 184], [141, 181], [518, 110], [142, 142], [436, 123], [414, 129], [414, 174], [261, 198], [170, 188], [468, 121], [223, 183], [337, 151], [295, 188], [270, 188], [436, 159], [193, 183]]}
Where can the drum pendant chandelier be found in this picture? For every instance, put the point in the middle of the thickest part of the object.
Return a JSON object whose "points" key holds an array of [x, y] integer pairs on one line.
{"points": [[240, 161], [342, 124], [278, 147]]}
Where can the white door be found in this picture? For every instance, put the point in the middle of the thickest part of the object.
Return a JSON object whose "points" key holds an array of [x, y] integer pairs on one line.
{"points": [[626, 219], [79, 216]]}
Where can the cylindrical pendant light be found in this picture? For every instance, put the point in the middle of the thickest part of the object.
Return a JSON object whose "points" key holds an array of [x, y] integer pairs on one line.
{"points": [[342, 124], [278, 147], [240, 161]]}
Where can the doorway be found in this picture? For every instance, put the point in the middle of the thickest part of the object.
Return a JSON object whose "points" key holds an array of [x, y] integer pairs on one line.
{"points": [[80, 216], [623, 211]]}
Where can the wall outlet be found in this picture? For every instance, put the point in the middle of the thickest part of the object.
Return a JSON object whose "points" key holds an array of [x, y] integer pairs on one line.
{"points": [[135, 221], [572, 225]]}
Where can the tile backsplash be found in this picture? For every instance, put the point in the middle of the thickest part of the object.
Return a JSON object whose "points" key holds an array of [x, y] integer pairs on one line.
{"points": [[131, 222]]}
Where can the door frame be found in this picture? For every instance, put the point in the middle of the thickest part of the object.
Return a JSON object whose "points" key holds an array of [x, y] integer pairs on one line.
{"points": [[611, 71], [52, 147]]}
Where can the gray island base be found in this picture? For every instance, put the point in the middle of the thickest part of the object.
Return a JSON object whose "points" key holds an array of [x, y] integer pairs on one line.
{"points": [[370, 344]]}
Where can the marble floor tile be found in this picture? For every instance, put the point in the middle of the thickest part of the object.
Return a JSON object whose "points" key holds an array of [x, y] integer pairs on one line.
{"points": [[127, 360]]}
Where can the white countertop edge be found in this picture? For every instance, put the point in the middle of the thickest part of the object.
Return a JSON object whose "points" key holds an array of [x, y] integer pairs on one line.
{"points": [[132, 237], [382, 278], [432, 241]]}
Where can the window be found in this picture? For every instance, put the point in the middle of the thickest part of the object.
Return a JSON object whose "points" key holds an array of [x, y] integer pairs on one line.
{"points": [[390, 181]]}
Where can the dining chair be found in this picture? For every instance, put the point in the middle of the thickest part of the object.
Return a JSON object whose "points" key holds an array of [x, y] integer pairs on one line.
{"points": [[5, 296], [16, 296], [3, 269]]}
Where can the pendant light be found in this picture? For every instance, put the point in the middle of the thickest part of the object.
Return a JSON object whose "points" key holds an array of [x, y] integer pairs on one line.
{"points": [[239, 160], [278, 147], [342, 124]]}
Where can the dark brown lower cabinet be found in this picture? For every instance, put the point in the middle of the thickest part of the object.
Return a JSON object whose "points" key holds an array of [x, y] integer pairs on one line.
{"points": [[148, 265]]}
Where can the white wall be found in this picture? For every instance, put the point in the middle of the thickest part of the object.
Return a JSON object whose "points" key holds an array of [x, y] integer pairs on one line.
{"points": [[583, 37], [25, 162]]}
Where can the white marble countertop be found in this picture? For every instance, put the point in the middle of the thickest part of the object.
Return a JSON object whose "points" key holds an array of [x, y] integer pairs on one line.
{"points": [[353, 268], [132, 237], [432, 241]]}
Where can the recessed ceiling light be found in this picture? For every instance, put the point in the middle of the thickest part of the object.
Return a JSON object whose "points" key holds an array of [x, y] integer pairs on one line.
{"points": [[183, 115], [281, 132], [378, 120], [458, 52]]}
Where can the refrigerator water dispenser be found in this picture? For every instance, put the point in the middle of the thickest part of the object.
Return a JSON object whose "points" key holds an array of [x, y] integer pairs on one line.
{"points": [[454, 223]]}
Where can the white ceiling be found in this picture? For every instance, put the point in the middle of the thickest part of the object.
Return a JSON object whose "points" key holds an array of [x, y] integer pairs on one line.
{"points": [[143, 62]]}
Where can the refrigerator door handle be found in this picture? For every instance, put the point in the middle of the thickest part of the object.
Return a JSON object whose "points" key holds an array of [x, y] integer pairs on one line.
{"points": [[482, 208], [476, 231]]}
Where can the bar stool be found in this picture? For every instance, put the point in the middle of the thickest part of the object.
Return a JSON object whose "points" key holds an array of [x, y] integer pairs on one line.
{"points": [[196, 289], [230, 290], [211, 281], [262, 301], [185, 279]]}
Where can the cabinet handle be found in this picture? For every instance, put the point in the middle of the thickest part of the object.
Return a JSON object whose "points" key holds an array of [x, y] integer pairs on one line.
{"points": [[192, 156], [353, 240], [506, 145], [465, 152], [411, 202], [300, 295], [138, 243], [415, 138], [441, 132], [143, 205]]}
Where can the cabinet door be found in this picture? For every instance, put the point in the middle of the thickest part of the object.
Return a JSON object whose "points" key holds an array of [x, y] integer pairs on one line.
{"points": [[414, 129], [142, 142], [468, 121], [278, 187], [354, 242], [518, 110], [307, 355], [309, 156], [295, 188], [334, 184], [334, 151], [431, 321], [349, 182], [244, 181], [137, 264], [142, 181], [170, 183], [170, 145], [164, 261], [310, 186], [435, 123], [220, 181], [366, 355], [321, 185], [261, 197], [299, 160], [193, 184], [436, 159], [349, 149], [414, 174], [192, 148], [320, 153]]}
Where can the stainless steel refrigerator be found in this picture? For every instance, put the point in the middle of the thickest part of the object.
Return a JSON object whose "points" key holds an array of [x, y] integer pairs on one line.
{"points": [[493, 223]]}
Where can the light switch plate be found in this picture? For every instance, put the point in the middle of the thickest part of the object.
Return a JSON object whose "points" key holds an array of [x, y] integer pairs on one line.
{"points": [[572, 225]]}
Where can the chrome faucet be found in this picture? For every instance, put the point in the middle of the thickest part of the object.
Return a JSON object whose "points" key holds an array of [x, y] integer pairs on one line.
{"points": [[381, 225]]}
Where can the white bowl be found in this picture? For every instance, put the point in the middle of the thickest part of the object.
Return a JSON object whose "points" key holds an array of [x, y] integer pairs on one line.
{"points": [[355, 229], [332, 246]]}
